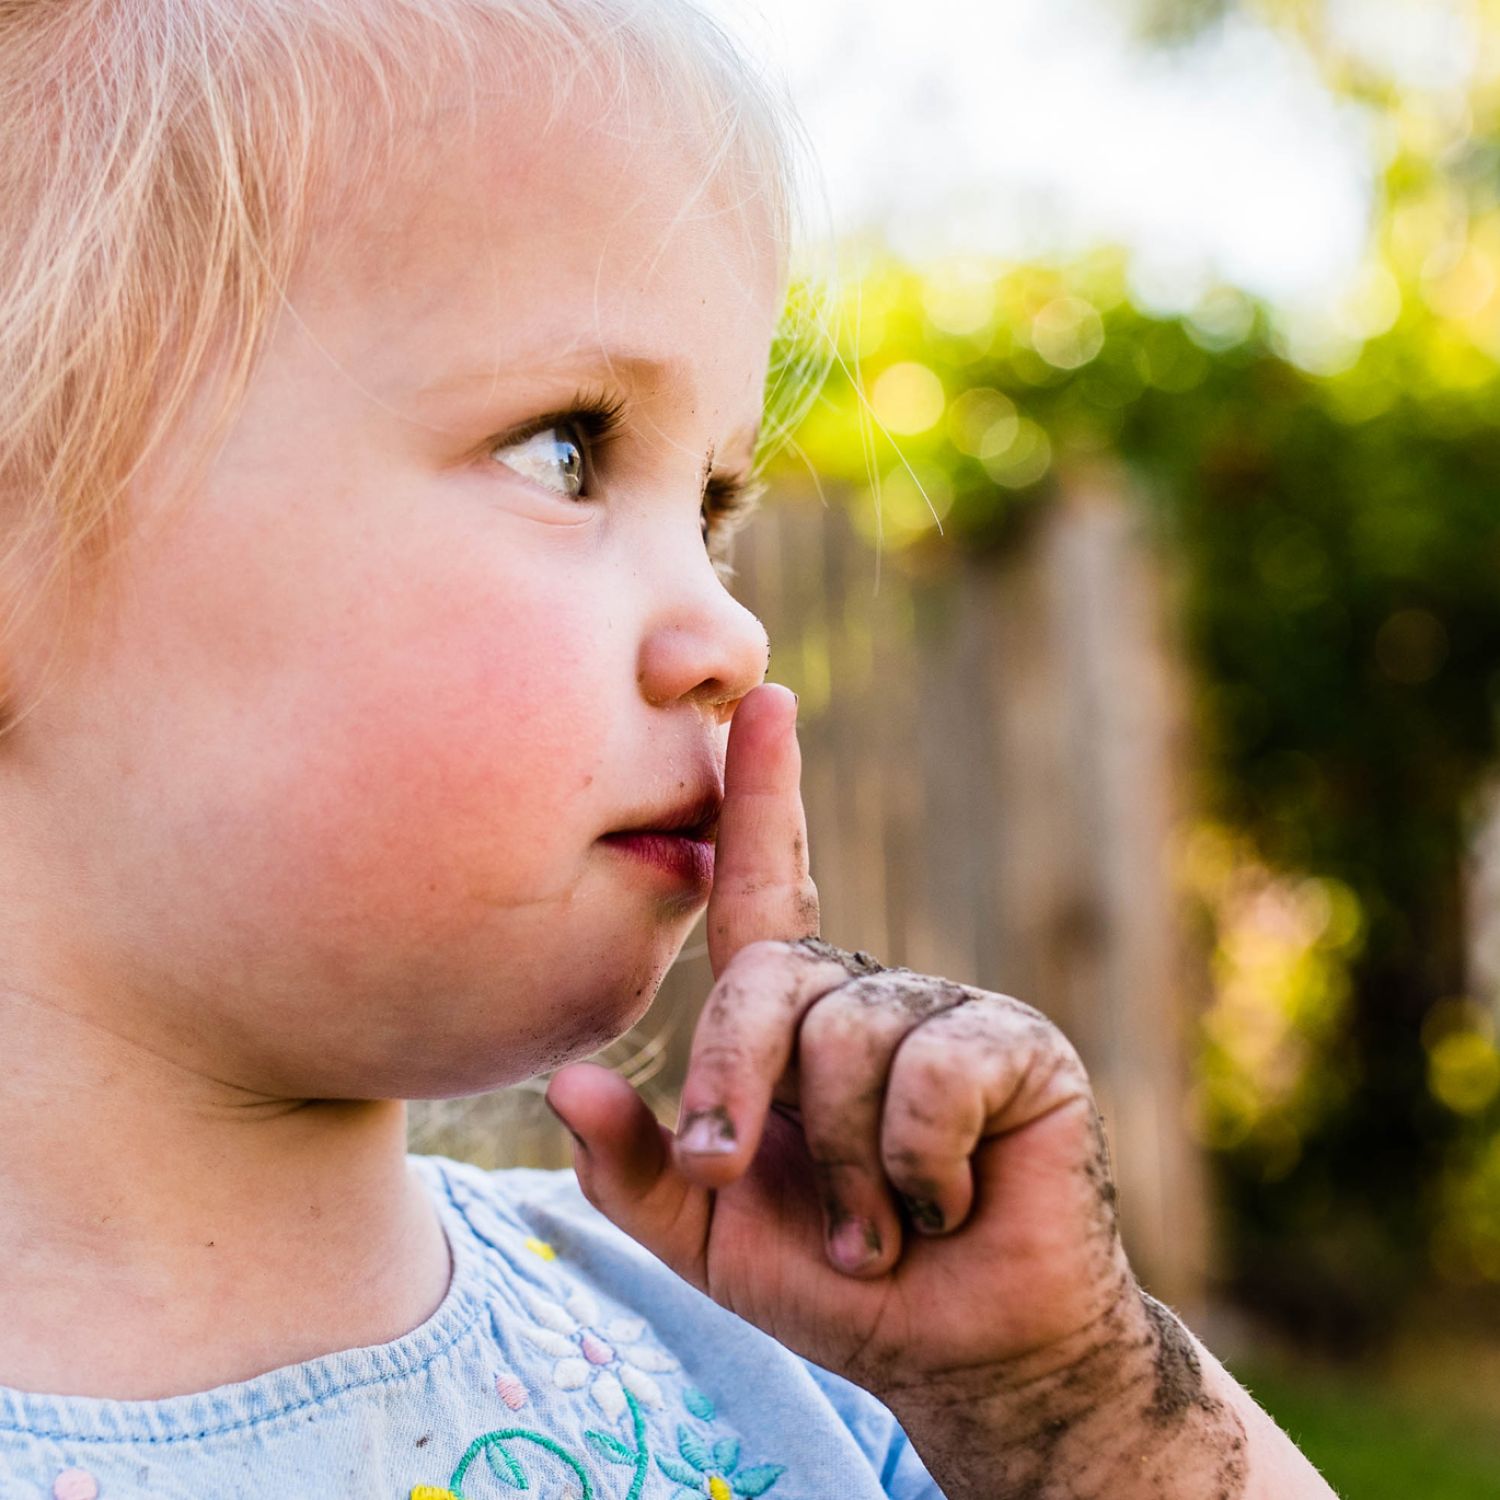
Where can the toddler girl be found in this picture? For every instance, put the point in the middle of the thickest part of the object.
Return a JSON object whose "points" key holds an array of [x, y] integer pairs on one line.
{"points": [[379, 378]]}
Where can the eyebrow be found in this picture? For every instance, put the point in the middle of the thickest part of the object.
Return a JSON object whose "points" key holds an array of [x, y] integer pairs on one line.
{"points": [[639, 369]]}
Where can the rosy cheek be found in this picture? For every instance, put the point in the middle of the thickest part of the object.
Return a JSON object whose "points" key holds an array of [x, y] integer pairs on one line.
{"points": [[453, 782]]}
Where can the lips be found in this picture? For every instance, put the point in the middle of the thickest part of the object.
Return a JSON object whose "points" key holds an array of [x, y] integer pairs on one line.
{"points": [[676, 842], [696, 819]]}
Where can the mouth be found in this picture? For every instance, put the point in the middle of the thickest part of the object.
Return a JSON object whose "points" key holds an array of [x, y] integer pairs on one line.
{"points": [[677, 842], [697, 820]]}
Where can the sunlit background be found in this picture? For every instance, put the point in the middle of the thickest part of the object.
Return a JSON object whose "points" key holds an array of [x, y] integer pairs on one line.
{"points": [[1139, 569]]}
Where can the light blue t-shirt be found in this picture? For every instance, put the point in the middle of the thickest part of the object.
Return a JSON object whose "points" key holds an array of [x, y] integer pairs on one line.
{"points": [[564, 1361]]}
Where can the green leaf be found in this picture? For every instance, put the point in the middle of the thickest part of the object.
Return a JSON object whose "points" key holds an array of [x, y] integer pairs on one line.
{"points": [[757, 1480], [700, 1406], [727, 1454], [680, 1472], [692, 1448], [611, 1447], [511, 1474]]}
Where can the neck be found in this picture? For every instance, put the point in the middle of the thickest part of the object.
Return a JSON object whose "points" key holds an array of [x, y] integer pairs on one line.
{"points": [[202, 1234]]}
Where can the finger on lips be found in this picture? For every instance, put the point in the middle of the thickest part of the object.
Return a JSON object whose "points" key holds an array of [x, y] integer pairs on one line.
{"points": [[893, 1078], [763, 886], [897, 1076]]}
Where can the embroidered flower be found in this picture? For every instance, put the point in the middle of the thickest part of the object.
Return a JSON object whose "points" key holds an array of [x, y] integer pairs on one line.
{"points": [[716, 1471], [512, 1392], [609, 1358], [540, 1248], [713, 1471], [75, 1484]]}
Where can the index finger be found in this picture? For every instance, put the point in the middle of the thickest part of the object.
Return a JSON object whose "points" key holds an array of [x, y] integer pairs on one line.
{"points": [[763, 885]]}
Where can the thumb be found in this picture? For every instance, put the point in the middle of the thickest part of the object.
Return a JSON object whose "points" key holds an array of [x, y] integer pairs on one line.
{"points": [[623, 1159]]}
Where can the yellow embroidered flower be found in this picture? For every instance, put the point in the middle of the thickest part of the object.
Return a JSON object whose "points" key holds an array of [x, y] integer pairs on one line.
{"points": [[706, 1467], [431, 1492], [540, 1248]]}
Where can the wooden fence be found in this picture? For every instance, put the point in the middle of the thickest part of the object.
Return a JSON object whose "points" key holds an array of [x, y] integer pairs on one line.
{"points": [[992, 773]]}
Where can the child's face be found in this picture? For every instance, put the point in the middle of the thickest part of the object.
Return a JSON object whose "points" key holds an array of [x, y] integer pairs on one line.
{"points": [[331, 787]]}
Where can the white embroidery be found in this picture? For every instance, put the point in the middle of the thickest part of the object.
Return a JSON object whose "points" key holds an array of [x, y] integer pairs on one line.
{"points": [[609, 1358]]}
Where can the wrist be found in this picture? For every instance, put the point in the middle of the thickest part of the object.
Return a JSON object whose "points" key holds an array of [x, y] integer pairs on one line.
{"points": [[1120, 1409]]}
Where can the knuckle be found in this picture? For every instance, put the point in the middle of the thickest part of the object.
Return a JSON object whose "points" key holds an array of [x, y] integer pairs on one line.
{"points": [[761, 954], [840, 1022], [915, 1175], [914, 1115], [1017, 1018], [836, 1159], [912, 996], [919, 1144], [1068, 1070], [725, 1057], [1025, 1030], [934, 1105], [765, 967], [930, 1062]]}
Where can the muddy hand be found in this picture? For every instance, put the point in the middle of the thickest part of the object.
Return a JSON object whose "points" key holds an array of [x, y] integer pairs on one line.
{"points": [[885, 1170]]}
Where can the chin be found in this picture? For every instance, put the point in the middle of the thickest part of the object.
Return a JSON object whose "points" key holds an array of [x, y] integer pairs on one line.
{"points": [[490, 1019], [467, 1056]]}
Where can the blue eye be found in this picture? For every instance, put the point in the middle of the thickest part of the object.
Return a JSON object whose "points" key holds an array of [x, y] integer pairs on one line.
{"points": [[559, 451], [555, 458]]}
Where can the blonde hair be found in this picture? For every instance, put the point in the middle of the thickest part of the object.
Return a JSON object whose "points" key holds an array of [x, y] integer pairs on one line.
{"points": [[161, 162]]}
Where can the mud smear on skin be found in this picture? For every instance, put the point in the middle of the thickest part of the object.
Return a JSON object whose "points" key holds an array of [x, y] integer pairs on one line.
{"points": [[1179, 1373], [917, 994], [856, 964], [1179, 1394], [1127, 1385], [1099, 1171], [1128, 1415], [719, 1125], [924, 1213]]}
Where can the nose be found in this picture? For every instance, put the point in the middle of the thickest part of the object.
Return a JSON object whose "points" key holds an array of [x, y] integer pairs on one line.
{"points": [[703, 645]]}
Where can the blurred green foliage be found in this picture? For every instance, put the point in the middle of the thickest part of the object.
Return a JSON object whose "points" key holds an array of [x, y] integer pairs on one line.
{"points": [[1328, 497], [1367, 1444], [1325, 490]]}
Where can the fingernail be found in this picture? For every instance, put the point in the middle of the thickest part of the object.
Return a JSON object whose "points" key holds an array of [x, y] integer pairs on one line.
{"points": [[707, 1132], [925, 1214], [854, 1244]]}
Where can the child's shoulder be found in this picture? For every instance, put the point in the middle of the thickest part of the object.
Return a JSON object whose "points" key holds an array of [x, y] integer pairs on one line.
{"points": [[562, 1348]]}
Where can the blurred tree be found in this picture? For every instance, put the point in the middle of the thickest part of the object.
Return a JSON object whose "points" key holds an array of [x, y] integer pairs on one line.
{"points": [[1420, 1121], [1336, 535]]}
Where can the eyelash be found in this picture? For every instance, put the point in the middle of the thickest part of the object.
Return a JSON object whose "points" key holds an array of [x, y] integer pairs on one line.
{"points": [[728, 499]]}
